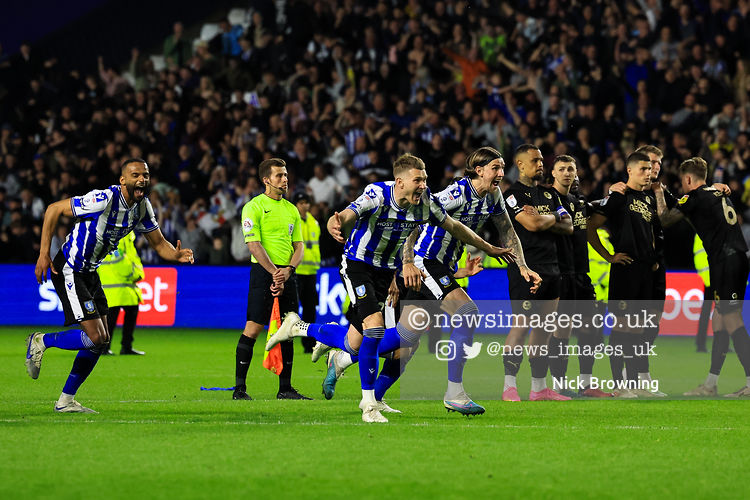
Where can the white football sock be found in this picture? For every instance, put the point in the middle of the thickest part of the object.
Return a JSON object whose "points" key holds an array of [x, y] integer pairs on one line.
{"points": [[585, 380], [711, 380], [368, 396], [454, 391], [510, 381], [538, 384]]}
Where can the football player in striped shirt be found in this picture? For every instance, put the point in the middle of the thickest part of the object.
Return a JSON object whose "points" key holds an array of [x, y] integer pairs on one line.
{"points": [[374, 229], [102, 218], [471, 200]]}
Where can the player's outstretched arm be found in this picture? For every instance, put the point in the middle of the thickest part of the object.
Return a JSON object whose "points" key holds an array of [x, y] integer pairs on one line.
{"points": [[51, 216], [166, 250], [667, 217], [339, 224], [463, 233], [509, 237], [412, 274]]}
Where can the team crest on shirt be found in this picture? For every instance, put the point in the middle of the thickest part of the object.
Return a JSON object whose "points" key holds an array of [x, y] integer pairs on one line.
{"points": [[511, 201], [623, 305], [548, 195], [361, 291], [526, 305], [445, 281], [89, 305], [683, 200], [247, 224], [291, 229]]}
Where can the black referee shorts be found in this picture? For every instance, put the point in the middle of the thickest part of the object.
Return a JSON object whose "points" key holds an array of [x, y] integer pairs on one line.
{"points": [[729, 281], [81, 293], [260, 300]]}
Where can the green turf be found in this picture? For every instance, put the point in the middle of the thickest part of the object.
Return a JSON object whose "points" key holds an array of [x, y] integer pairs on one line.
{"points": [[158, 436]]}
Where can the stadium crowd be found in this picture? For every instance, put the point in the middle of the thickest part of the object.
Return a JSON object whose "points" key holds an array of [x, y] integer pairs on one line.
{"points": [[339, 89]]}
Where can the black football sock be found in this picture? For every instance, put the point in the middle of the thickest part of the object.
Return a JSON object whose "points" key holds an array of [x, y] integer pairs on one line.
{"points": [[587, 342], [719, 349], [616, 361], [742, 347], [243, 355], [558, 358], [630, 343], [512, 364], [285, 377]]}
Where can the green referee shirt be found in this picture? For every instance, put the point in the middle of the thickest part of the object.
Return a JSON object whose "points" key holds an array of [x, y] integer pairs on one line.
{"points": [[275, 224]]}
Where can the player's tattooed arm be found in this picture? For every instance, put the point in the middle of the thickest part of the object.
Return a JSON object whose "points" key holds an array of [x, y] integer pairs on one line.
{"points": [[51, 216], [595, 222], [509, 237], [667, 217], [465, 234], [340, 224], [412, 274]]}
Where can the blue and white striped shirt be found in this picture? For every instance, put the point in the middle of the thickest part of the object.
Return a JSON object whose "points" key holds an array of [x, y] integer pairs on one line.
{"points": [[102, 219], [462, 202], [382, 226]]}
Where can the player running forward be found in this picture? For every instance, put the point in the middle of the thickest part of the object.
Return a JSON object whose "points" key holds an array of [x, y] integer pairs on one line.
{"points": [[633, 224], [538, 217], [471, 200], [102, 218], [715, 220], [374, 228], [576, 293]]}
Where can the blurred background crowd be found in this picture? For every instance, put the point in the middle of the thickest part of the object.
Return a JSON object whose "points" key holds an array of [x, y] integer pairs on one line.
{"points": [[340, 88]]}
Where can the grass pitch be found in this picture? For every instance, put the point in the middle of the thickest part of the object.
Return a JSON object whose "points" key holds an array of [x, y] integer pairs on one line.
{"points": [[159, 436]]}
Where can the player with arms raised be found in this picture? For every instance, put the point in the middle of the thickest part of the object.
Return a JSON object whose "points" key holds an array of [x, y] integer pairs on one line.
{"points": [[103, 217]]}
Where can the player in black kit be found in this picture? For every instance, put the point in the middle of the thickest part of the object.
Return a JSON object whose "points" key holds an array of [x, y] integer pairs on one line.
{"points": [[633, 223], [577, 293], [715, 220], [537, 216]]}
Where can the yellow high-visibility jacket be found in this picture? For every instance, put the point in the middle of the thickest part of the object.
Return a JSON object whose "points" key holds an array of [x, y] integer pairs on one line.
{"points": [[311, 239], [119, 272]]}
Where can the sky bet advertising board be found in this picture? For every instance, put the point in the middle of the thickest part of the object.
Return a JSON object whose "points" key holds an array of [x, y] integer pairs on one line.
{"points": [[216, 297]]}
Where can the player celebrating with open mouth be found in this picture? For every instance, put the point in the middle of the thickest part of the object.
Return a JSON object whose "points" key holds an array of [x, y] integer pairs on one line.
{"points": [[374, 228]]}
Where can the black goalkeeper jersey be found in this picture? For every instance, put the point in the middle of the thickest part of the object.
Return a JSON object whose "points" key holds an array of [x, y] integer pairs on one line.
{"points": [[631, 219], [539, 248], [715, 220]]}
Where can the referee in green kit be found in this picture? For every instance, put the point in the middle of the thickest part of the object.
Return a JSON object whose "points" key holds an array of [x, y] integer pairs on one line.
{"points": [[273, 231]]}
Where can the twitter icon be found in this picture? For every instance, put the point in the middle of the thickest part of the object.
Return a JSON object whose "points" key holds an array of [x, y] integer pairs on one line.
{"points": [[473, 350]]}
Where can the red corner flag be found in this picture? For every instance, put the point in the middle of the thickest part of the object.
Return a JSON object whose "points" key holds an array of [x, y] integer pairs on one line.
{"points": [[272, 359]]}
